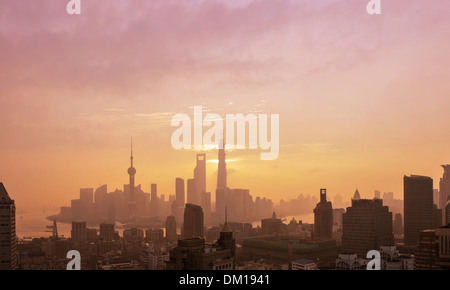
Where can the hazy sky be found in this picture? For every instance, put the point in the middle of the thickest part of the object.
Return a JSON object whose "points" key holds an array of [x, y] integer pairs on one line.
{"points": [[363, 100]]}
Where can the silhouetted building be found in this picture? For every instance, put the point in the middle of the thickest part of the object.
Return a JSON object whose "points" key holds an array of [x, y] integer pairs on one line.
{"points": [[271, 225], [192, 192], [193, 254], [323, 217], [367, 225], [356, 196], [206, 205], [444, 187], [193, 221], [171, 229], [179, 192], [419, 212], [427, 251], [447, 213], [443, 238], [222, 169], [398, 224], [79, 234], [226, 240], [132, 198], [200, 179], [107, 232], [8, 238], [154, 208]]}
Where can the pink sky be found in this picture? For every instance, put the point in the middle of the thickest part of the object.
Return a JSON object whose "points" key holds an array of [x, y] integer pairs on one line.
{"points": [[362, 99]]}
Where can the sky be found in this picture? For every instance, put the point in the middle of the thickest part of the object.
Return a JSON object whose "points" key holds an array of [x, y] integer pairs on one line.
{"points": [[362, 99]]}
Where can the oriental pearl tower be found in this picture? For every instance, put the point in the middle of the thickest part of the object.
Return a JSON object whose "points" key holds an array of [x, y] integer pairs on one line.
{"points": [[131, 173]]}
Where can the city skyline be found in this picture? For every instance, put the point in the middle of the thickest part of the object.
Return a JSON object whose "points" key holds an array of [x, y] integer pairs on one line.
{"points": [[361, 100]]}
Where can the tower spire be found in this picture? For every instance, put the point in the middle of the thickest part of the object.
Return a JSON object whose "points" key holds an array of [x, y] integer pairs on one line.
{"points": [[226, 228], [131, 157]]}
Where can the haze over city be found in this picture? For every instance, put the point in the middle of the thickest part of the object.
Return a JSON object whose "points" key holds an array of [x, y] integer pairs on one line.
{"points": [[361, 100]]}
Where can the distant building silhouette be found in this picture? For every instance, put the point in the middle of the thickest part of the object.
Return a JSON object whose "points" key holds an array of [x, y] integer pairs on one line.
{"points": [[8, 238], [367, 225], [447, 214], [398, 224], [427, 251], [194, 254], [193, 225], [356, 196], [419, 213], [200, 178], [107, 232], [323, 217], [171, 229], [444, 187], [192, 192], [79, 234], [179, 192], [154, 208], [271, 225], [222, 169]]}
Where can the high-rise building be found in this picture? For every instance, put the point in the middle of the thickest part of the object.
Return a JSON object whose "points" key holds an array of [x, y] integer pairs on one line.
{"points": [[222, 169], [154, 208], [447, 214], [367, 225], [107, 232], [200, 177], [171, 229], [398, 224], [443, 238], [377, 194], [192, 192], [193, 225], [179, 192], [427, 252], [194, 254], [272, 225], [87, 196], [79, 234], [206, 205], [323, 217], [419, 213], [226, 240], [444, 187], [8, 238]]}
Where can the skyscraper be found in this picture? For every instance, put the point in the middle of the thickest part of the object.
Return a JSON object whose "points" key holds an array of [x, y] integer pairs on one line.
{"points": [[444, 187], [222, 192], [79, 234], [366, 226], [192, 192], [8, 238], [154, 208], [179, 192], [222, 169], [107, 232], [418, 207], [193, 221], [200, 176], [171, 229], [323, 217]]}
